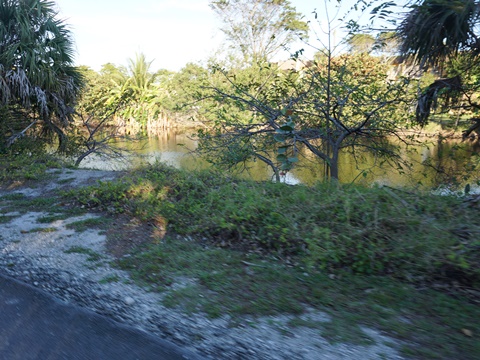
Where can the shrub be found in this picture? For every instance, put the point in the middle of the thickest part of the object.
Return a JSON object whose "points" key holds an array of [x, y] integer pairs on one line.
{"points": [[363, 230]]}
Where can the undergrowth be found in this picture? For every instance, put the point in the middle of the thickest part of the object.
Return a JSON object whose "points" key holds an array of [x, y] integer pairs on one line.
{"points": [[197, 277], [381, 231], [24, 167]]}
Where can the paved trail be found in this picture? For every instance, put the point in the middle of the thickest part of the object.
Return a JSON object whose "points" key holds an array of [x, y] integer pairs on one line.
{"points": [[34, 325]]}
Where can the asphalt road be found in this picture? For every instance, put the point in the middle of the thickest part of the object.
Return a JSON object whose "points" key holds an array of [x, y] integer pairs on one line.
{"points": [[34, 325]]}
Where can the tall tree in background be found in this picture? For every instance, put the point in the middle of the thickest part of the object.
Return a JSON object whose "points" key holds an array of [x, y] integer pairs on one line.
{"points": [[38, 82], [131, 94], [259, 28], [361, 43]]}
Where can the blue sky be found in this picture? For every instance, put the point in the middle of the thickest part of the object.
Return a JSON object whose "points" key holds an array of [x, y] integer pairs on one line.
{"points": [[169, 32]]}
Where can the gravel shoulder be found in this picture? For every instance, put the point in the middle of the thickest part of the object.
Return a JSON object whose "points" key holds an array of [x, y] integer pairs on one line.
{"points": [[74, 266]]}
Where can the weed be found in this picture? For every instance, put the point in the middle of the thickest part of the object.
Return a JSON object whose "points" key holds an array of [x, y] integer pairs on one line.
{"points": [[83, 225], [13, 197], [230, 282], [65, 181], [52, 218], [24, 167], [335, 332], [376, 242], [35, 204], [369, 231], [109, 279], [6, 219], [92, 255], [298, 322]]}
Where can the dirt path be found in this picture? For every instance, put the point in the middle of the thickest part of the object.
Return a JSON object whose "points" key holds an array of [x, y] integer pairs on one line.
{"points": [[74, 265]]}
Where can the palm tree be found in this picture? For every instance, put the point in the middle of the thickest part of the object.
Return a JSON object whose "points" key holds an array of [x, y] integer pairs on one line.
{"points": [[435, 32], [141, 79], [37, 76], [136, 89]]}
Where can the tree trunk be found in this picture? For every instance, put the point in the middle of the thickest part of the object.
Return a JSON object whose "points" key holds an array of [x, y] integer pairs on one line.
{"points": [[334, 164]]}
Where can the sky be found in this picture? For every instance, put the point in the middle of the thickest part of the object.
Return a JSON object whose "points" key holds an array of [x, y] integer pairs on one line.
{"points": [[170, 33]]}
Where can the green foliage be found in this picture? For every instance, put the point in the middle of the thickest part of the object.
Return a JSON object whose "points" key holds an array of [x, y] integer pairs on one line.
{"points": [[104, 195], [443, 35], [38, 81], [43, 230], [220, 281], [87, 224], [369, 231], [22, 165], [361, 43], [229, 114], [258, 29], [435, 30], [92, 255], [130, 94], [342, 102]]}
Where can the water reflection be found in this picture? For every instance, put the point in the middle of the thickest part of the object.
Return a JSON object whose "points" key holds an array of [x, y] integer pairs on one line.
{"points": [[431, 164]]}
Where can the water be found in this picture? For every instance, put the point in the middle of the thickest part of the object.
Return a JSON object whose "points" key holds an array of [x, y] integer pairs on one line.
{"points": [[433, 164]]}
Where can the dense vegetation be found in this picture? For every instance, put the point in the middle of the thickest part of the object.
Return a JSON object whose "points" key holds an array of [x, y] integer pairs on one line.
{"points": [[338, 239], [38, 82], [353, 101], [378, 231]]}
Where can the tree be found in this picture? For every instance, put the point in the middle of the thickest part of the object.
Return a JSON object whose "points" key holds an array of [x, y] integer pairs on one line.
{"points": [[130, 93], [435, 30], [259, 29], [361, 43], [38, 82], [387, 44], [99, 89], [335, 103], [436, 33], [341, 103]]}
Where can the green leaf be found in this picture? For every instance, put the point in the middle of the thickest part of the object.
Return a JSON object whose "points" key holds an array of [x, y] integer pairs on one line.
{"points": [[293, 159], [286, 128], [281, 158], [282, 149], [286, 166], [279, 138]]}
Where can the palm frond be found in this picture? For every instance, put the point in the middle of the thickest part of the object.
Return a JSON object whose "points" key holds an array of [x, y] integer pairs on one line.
{"points": [[437, 29], [37, 61]]}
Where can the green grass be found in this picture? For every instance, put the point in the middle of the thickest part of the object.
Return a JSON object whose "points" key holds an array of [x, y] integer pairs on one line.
{"points": [[34, 204], [12, 197], [91, 223], [379, 244], [53, 205], [375, 231], [23, 167], [109, 279], [92, 255], [65, 181], [366, 257], [6, 218], [428, 322], [52, 218]]}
